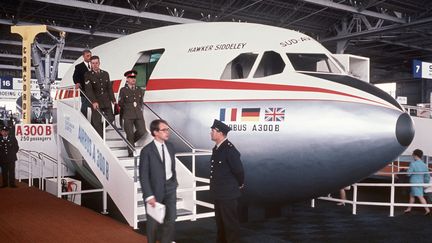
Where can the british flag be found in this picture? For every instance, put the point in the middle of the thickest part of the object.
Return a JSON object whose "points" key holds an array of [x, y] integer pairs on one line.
{"points": [[274, 114]]}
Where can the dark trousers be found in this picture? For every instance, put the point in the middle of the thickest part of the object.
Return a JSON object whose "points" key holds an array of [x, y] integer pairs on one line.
{"points": [[8, 173], [227, 220], [132, 136], [167, 229], [85, 104], [96, 119]]}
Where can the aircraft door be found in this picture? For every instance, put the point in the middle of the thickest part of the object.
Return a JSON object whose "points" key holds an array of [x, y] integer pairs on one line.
{"points": [[146, 64]]}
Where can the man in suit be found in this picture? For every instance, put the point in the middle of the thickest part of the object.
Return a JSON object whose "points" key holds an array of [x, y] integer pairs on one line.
{"points": [[226, 181], [8, 150], [99, 91], [159, 180], [131, 102], [78, 79]]}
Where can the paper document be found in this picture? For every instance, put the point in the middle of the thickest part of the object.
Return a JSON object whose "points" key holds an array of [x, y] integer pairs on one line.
{"points": [[157, 212]]}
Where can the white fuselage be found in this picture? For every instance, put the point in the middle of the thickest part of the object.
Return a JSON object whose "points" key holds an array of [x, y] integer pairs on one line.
{"points": [[303, 126]]}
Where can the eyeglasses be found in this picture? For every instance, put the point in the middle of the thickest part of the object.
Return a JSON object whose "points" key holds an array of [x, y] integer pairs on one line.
{"points": [[164, 130]]}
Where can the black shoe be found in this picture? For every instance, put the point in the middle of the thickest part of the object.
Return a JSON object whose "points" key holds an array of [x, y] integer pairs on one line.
{"points": [[14, 186], [4, 186], [427, 213]]}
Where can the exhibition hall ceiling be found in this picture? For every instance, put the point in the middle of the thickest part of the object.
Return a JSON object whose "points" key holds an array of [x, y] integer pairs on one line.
{"points": [[390, 32]]}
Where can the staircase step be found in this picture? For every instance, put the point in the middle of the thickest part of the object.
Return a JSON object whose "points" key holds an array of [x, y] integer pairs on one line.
{"points": [[115, 143], [131, 173], [128, 162], [110, 134], [180, 212], [120, 151], [110, 128], [140, 203]]}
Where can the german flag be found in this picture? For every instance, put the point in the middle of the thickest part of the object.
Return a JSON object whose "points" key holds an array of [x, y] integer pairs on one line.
{"points": [[250, 114]]}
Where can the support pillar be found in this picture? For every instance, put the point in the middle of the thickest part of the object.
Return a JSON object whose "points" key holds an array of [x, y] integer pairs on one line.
{"points": [[28, 33]]}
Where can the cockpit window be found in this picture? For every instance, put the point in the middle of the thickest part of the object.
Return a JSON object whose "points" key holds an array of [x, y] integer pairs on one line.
{"points": [[240, 66], [312, 63], [271, 63]]}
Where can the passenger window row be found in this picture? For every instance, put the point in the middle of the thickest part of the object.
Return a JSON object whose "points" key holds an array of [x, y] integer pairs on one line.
{"points": [[272, 63]]}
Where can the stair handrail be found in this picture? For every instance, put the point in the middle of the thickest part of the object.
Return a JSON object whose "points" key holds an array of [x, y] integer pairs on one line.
{"points": [[128, 144], [173, 130], [29, 165], [39, 157]]}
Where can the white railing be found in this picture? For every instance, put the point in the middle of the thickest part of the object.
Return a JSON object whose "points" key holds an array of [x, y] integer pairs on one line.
{"points": [[194, 189], [418, 111], [75, 104], [33, 165], [391, 203]]}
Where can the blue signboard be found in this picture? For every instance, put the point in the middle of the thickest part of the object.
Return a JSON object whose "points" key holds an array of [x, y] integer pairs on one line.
{"points": [[417, 69], [6, 82], [422, 69]]}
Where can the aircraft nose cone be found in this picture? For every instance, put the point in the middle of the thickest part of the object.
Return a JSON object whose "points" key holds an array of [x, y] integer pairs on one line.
{"points": [[404, 129]]}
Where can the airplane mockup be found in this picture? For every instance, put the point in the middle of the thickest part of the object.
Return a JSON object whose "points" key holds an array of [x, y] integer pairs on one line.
{"points": [[303, 125]]}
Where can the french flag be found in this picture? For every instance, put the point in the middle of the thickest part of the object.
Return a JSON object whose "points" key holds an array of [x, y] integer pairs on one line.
{"points": [[228, 114]]}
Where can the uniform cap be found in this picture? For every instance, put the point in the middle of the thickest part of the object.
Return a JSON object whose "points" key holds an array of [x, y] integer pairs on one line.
{"points": [[4, 128], [131, 74], [221, 127]]}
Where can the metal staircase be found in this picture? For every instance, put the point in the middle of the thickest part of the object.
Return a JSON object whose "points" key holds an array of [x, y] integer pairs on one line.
{"points": [[118, 173]]}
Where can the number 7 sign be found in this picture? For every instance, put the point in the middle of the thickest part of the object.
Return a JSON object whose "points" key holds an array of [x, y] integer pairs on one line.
{"points": [[417, 69]]}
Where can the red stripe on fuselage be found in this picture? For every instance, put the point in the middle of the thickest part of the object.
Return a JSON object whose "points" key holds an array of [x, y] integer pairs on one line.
{"points": [[172, 84]]}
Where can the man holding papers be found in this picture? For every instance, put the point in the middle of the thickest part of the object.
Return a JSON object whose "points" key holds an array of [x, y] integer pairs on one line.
{"points": [[159, 181]]}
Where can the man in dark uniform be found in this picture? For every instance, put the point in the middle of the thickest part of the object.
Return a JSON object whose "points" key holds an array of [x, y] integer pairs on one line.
{"points": [[131, 101], [78, 79], [8, 150], [226, 180], [99, 91]]}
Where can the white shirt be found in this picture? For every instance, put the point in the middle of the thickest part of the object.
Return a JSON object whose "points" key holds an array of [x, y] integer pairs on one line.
{"points": [[168, 162], [88, 65]]}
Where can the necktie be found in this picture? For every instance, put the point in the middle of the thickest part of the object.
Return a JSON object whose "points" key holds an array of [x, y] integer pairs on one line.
{"points": [[163, 154], [88, 65]]}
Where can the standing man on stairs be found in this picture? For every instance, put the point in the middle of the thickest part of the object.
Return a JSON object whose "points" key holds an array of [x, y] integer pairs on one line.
{"points": [[131, 102], [78, 79], [99, 91], [158, 180]]}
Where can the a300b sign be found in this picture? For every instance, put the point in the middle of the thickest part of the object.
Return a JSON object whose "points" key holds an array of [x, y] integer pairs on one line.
{"points": [[34, 130]]}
